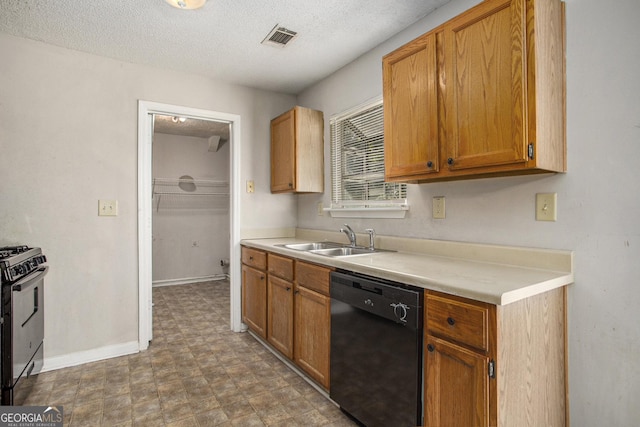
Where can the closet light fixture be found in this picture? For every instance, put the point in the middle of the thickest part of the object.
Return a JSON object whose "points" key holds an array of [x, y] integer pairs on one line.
{"points": [[187, 4], [176, 119]]}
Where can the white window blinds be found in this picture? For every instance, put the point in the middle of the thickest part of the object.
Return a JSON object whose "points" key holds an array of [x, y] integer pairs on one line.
{"points": [[357, 161]]}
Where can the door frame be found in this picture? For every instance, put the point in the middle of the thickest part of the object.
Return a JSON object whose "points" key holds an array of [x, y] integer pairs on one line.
{"points": [[146, 109]]}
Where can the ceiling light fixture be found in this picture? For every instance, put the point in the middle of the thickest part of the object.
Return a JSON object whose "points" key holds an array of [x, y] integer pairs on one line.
{"points": [[176, 119], [187, 4]]}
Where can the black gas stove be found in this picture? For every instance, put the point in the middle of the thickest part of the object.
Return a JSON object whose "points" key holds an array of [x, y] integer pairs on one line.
{"points": [[22, 271], [19, 261]]}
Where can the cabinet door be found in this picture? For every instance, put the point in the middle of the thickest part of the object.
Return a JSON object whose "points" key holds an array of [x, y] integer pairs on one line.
{"points": [[312, 334], [280, 315], [283, 157], [254, 300], [486, 86], [411, 109], [456, 385]]}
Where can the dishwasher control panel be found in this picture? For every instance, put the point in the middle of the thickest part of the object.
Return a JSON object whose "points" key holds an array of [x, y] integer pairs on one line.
{"points": [[390, 300]]}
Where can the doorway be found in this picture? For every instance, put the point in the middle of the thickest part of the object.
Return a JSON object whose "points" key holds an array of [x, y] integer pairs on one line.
{"points": [[146, 112], [190, 215]]}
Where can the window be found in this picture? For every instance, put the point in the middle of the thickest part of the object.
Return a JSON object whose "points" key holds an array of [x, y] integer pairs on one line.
{"points": [[358, 188]]}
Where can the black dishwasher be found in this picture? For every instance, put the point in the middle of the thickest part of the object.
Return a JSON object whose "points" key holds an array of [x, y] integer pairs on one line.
{"points": [[376, 350]]}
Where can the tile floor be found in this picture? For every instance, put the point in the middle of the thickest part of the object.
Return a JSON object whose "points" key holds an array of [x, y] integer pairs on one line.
{"points": [[196, 372]]}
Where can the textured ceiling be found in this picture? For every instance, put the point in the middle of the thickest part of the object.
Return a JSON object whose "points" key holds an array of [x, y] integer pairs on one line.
{"points": [[223, 39]]}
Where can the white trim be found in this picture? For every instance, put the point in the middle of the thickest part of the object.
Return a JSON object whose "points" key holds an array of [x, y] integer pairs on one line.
{"points": [[88, 356], [372, 102], [187, 280], [145, 108], [392, 209], [390, 212]]}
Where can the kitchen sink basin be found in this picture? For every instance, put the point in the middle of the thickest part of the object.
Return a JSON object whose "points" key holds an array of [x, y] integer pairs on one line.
{"points": [[346, 251], [331, 249], [313, 246]]}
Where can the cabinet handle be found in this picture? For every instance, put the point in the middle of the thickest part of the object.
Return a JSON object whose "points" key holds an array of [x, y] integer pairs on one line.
{"points": [[429, 164], [288, 288], [431, 348], [261, 277], [450, 161], [451, 321], [250, 258], [290, 185]]}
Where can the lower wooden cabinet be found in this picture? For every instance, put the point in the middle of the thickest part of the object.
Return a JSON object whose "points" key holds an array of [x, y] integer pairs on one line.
{"points": [[456, 385], [312, 334], [280, 303], [254, 300], [280, 315], [457, 357], [312, 318], [488, 365], [286, 302]]}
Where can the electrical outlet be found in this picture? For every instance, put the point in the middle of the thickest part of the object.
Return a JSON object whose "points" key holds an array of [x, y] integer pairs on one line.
{"points": [[107, 208], [438, 207], [546, 206], [250, 187]]}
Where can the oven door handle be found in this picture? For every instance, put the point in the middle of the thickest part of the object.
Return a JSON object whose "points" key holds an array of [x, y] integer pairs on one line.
{"points": [[31, 279]]}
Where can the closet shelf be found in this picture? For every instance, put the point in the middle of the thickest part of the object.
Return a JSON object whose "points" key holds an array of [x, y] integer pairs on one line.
{"points": [[216, 190]]}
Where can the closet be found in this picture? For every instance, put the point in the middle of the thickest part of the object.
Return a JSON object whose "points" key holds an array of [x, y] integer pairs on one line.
{"points": [[190, 190]]}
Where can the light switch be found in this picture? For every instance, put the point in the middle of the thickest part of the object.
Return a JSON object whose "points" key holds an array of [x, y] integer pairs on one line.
{"points": [[320, 209], [438, 207], [107, 207], [546, 206], [250, 187]]}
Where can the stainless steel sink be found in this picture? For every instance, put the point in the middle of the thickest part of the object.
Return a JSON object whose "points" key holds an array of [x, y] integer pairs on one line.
{"points": [[331, 249], [312, 246], [346, 251]]}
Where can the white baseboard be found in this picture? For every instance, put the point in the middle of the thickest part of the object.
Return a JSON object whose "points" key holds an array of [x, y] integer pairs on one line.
{"points": [[117, 350], [188, 280], [81, 357]]}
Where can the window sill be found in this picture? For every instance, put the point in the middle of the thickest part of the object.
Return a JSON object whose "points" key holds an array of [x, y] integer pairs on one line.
{"points": [[398, 212]]}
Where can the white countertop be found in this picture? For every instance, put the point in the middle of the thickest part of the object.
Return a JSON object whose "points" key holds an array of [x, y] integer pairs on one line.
{"points": [[495, 274]]}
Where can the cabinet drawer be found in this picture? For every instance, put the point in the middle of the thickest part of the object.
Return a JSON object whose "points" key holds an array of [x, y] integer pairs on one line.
{"points": [[281, 266], [313, 277], [460, 320], [254, 258]]}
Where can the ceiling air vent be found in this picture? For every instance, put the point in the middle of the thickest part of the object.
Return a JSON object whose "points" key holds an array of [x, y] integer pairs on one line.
{"points": [[279, 36]]}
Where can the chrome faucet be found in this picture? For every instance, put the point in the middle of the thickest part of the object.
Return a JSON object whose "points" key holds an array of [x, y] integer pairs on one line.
{"points": [[372, 235], [350, 234]]}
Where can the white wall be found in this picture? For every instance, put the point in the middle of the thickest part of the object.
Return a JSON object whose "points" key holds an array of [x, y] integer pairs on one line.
{"points": [[598, 199], [190, 230], [68, 137]]}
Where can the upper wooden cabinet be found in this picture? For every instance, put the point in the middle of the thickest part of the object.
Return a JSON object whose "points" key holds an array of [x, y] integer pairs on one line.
{"points": [[481, 95], [411, 109], [297, 152]]}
